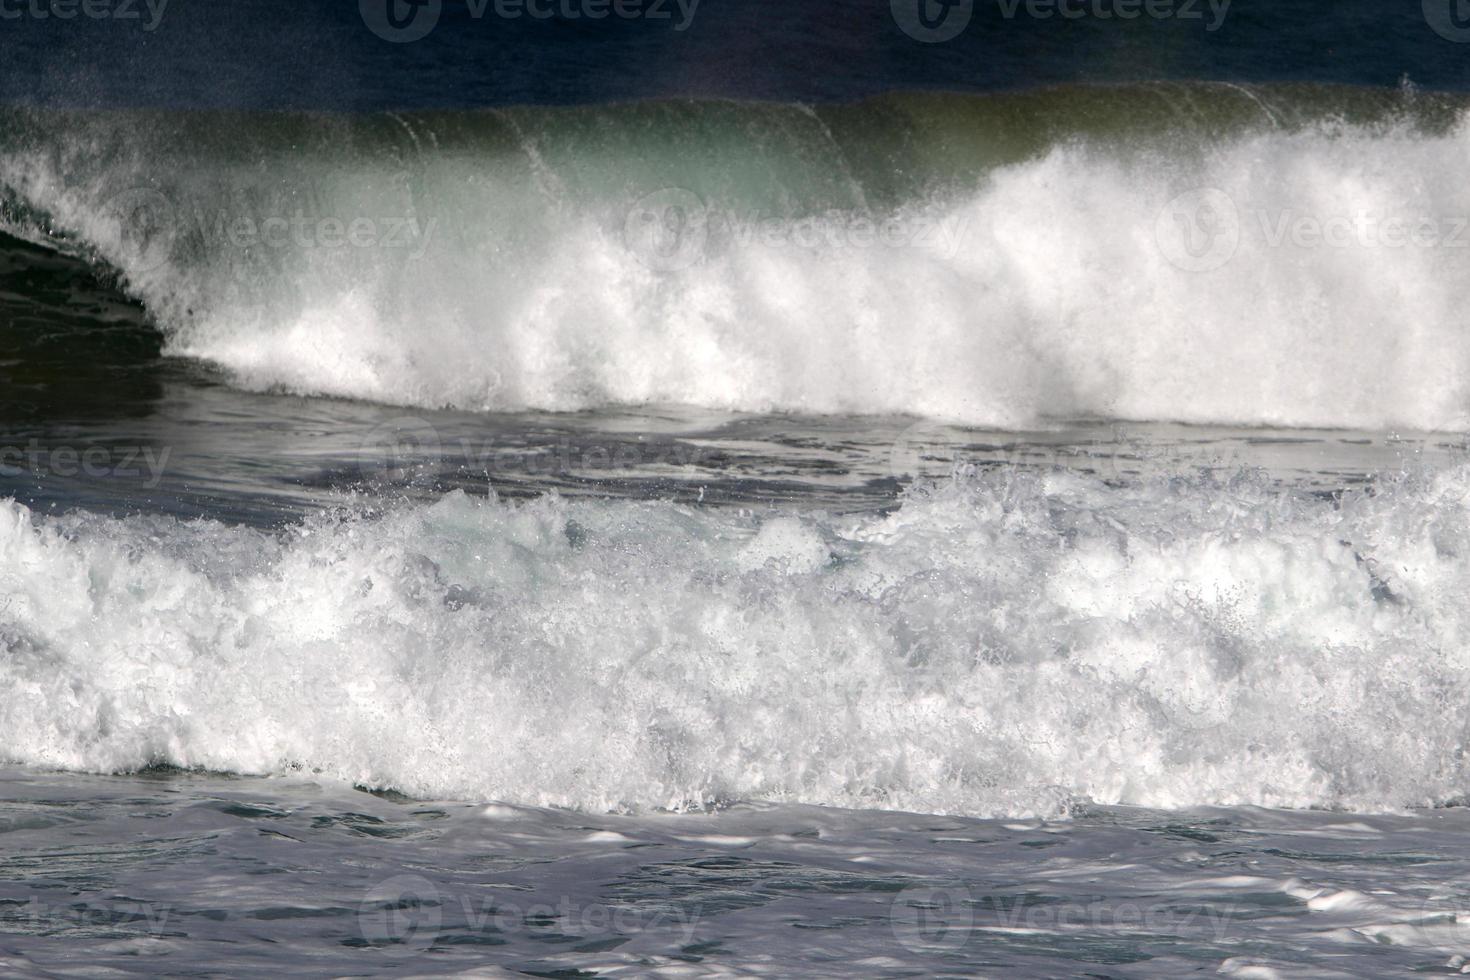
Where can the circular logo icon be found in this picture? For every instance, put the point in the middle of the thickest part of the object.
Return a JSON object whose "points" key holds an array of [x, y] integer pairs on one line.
{"points": [[494, 387], [929, 919], [1199, 230], [1450, 19], [395, 447], [1447, 903], [147, 226], [667, 230], [402, 914], [239, 297], [1443, 449], [401, 21], [926, 447], [1453, 432], [933, 21]]}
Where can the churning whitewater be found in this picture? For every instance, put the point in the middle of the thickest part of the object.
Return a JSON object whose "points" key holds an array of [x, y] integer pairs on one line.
{"points": [[1001, 644], [660, 489], [1199, 253]]}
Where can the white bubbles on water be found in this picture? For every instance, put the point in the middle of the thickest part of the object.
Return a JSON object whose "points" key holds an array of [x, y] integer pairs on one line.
{"points": [[1003, 642]]}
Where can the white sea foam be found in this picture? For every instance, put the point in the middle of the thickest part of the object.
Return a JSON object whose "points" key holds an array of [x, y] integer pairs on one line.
{"points": [[1055, 287], [999, 645]]}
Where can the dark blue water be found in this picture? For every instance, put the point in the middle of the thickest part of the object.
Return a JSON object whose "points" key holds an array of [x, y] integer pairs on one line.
{"points": [[262, 54]]}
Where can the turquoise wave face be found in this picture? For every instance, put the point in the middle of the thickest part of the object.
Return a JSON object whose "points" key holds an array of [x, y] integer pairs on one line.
{"points": [[1203, 253]]}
